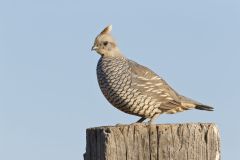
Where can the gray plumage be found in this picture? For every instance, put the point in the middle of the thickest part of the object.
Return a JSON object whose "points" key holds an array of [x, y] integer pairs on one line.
{"points": [[133, 88]]}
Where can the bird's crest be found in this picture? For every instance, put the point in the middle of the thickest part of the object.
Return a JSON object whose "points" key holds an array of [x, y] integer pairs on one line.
{"points": [[107, 30]]}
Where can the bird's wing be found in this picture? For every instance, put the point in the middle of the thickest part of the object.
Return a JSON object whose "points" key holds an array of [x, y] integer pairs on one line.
{"points": [[151, 85]]}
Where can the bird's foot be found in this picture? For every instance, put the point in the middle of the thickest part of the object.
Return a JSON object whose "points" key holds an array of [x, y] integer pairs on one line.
{"points": [[119, 124], [138, 124]]}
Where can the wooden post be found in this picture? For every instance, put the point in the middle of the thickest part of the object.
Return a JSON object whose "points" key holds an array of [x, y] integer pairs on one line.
{"points": [[155, 142]]}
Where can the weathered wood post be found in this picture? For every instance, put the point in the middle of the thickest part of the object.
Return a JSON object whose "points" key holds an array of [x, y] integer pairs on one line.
{"points": [[155, 142]]}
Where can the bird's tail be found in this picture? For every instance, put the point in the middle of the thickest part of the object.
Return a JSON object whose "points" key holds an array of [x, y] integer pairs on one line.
{"points": [[204, 107], [189, 103]]}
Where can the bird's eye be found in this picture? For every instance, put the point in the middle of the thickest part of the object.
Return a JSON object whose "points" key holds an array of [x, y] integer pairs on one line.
{"points": [[105, 43]]}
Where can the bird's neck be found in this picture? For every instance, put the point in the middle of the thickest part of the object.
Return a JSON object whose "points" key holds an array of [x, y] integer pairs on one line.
{"points": [[114, 53]]}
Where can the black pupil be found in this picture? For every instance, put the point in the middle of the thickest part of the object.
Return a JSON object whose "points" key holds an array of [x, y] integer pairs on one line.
{"points": [[105, 43]]}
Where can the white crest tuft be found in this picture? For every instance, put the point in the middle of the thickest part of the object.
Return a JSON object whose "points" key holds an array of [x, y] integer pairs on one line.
{"points": [[107, 30]]}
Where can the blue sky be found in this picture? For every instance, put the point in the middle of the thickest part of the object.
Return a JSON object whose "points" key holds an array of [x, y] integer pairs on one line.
{"points": [[48, 89]]}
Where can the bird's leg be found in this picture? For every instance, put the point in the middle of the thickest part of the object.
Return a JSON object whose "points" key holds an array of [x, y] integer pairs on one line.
{"points": [[141, 120], [152, 118], [135, 123], [150, 121]]}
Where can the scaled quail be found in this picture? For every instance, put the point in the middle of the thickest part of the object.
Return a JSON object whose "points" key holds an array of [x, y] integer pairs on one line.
{"points": [[133, 88]]}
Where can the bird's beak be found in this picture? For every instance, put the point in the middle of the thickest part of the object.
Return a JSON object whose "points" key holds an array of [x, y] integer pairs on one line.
{"points": [[94, 48]]}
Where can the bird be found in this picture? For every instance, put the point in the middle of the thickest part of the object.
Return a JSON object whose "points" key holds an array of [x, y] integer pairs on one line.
{"points": [[134, 88]]}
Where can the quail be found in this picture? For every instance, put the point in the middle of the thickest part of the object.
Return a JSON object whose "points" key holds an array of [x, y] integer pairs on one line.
{"points": [[134, 88]]}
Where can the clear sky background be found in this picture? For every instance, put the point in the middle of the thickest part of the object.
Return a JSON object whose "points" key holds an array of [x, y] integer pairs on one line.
{"points": [[48, 88]]}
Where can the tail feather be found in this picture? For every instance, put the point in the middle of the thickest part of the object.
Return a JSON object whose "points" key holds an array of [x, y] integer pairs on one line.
{"points": [[189, 103], [204, 107]]}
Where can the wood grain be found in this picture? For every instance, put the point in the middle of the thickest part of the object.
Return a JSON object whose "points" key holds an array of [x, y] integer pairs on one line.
{"points": [[191, 141]]}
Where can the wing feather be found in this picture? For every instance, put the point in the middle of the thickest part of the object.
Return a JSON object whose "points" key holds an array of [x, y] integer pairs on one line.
{"points": [[151, 85]]}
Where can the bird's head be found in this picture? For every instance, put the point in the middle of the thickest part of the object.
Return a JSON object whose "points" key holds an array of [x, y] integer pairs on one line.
{"points": [[105, 45]]}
